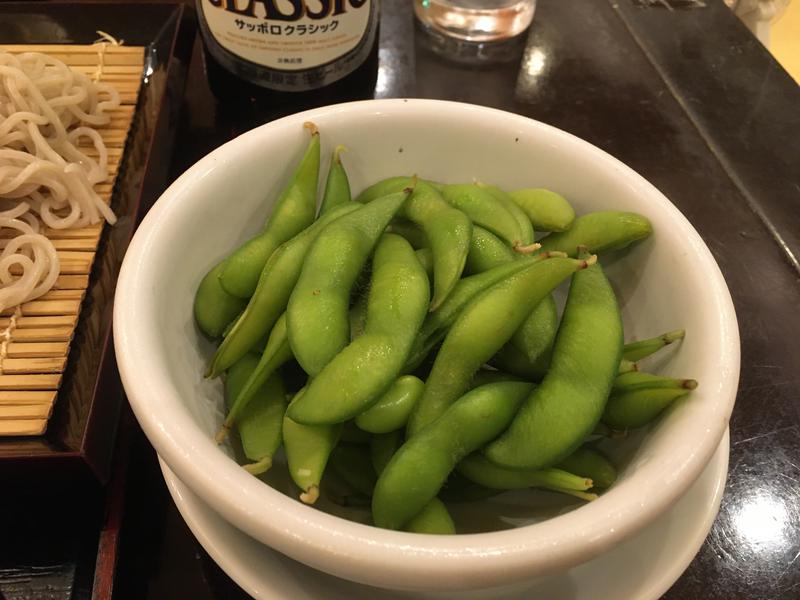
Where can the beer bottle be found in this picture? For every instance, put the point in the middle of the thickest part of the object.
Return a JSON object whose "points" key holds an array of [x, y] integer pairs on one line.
{"points": [[288, 46]]}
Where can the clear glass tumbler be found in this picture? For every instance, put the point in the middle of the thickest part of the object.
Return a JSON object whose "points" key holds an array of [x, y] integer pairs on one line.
{"points": [[476, 20]]}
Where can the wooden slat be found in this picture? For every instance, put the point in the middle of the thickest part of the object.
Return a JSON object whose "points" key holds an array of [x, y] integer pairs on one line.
{"points": [[11, 427], [44, 381], [42, 334], [17, 366], [18, 397], [19, 349], [24, 411], [39, 333]]}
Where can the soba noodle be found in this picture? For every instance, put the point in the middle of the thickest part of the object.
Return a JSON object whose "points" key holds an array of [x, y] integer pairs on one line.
{"points": [[46, 111]]}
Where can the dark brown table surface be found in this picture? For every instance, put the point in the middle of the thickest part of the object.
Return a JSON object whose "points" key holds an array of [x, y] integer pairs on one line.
{"points": [[689, 99]]}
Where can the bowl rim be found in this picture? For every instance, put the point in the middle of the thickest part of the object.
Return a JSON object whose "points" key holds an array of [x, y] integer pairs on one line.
{"points": [[361, 552]]}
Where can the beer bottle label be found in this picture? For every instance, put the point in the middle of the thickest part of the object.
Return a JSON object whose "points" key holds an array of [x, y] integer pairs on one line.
{"points": [[288, 35]]}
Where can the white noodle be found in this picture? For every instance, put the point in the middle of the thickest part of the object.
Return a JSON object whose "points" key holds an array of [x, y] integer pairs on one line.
{"points": [[47, 115]]}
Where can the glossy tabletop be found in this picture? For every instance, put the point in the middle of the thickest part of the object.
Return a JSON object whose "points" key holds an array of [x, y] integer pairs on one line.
{"points": [[693, 102]]}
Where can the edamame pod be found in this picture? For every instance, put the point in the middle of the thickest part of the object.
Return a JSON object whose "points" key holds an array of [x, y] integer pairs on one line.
{"points": [[637, 408], [600, 232], [537, 333], [317, 314], [433, 519], [308, 448], [638, 380], [592, 465], [260, 422], [351, 462], [503, 198], [547, 210], [481, 329], [485, 376], [425, 258], [420, 467], [337, 187], [382, 447], [392, 409], [486, 251], [513, 361], [271, 296], [294, 211], [634, 351], [436, 324], [448, 232], [567, 405], [276, 353], [627, 366], [214, 308], [480, 470], [392, 185], [413, 234], [361, 372], [484, 210]]}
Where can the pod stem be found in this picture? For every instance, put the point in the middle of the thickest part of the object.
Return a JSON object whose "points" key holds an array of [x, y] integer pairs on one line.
{"points": [[223, 432], [527, 249], [589, 261], [588, 496], [259, 467], [553, 254], [673, 336], [337, 151], [310, 495], [689, 384], [311, 128]]}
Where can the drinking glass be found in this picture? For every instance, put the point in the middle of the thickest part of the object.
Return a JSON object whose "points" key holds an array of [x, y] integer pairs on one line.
{"points": [[476, 20]]}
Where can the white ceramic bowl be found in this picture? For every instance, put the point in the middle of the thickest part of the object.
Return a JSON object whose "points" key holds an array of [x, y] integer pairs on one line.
{"points": [[668, 281]]}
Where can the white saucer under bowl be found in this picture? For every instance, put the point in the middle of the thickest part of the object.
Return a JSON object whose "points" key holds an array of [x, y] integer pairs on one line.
{"points": [[642, 568]]}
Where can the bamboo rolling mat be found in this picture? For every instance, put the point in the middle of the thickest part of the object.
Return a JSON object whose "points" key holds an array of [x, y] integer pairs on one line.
{"points": [[35, 336]]}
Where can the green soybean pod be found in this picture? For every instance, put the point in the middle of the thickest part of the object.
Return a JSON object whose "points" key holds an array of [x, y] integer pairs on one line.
{"points": [[448, 232], [413, 234], [637, 408], [337, 186], [503, 198], [478, 469], [591, 464], [537, 333], [485, 376], [600, 232], [418, 470], [352, 463], [437, 323], [392, 409], [484, 210], [567, 405], [392, 185], [260, 423], [638, 350], [294, 211], [627, 366], [547, 210], [486, 251], [276, 353], [425, 258], [514, 361], [272, 293], [308, 448], [638, 380], [214, 308], [382, 447], [362, 371], [433, 519], [317, 313], [481, 329]]}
